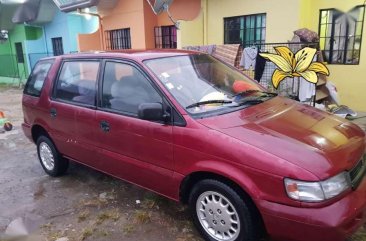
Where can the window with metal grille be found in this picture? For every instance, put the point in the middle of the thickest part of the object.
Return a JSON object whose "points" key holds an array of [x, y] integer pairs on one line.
{"points": [[166, 37], [19, 52], [245, 30], [341, 35], [118, 39], [57, 46]]}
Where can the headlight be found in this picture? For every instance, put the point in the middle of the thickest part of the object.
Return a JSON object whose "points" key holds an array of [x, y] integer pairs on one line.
{"points": [[317, 191]]}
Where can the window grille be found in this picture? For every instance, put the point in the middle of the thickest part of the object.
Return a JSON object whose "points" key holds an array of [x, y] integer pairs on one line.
{"points": [[245, 30], [118, 39], [166, 37], [341, 35]]}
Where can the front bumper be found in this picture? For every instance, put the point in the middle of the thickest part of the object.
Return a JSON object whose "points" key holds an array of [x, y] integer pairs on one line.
{"points": [[335, 222]]}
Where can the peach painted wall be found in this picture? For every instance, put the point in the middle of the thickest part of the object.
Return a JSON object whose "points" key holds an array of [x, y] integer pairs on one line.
{"points": [[128, 14], [88, 42], [151, 21], [186, 10], [139, 17]]}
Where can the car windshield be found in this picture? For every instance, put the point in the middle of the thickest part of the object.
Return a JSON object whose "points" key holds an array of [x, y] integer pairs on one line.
{"points": [[202, 84]]}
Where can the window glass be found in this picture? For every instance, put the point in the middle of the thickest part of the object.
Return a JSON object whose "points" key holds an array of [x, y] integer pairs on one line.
{"points": [[57, 46], [341, 35], [77, 82], [125, 88], [166, 37], [36, 79], [245, 30], [200, 78], [118, 39], [19, 51]]}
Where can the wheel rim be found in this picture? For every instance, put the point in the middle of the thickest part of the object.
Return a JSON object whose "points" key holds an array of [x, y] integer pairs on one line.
{"points": [[218, 216], [46, 155]]}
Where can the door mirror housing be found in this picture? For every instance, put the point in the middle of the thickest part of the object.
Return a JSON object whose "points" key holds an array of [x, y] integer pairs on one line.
{"points": [[152, 112]]}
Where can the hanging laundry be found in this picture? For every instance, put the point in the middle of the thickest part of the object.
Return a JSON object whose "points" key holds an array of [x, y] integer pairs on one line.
{"points": [[306, 90], [260, 64], [248, 58], [266, 79]]}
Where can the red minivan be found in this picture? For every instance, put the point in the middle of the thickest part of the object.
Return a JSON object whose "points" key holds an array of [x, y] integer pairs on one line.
{"points": [[191, 128]]}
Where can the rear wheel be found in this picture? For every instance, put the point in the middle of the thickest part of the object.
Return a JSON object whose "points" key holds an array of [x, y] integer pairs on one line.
{"points": [[51, 160], [220, 214]]}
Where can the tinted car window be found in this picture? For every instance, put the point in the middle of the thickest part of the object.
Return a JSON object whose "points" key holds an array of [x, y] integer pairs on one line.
{"points": [[77, 82], [36, 79], [125, 88]]}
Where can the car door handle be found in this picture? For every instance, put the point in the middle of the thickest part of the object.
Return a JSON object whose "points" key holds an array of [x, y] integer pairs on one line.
{"points": [[53, 112], [104, 125]]}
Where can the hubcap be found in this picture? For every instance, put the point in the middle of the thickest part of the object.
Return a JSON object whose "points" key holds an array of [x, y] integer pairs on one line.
{"points": [[46, 155], [218, 216]]}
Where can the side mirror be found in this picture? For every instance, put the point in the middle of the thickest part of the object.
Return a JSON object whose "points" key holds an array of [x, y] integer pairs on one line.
{"points": [[152, 112]]}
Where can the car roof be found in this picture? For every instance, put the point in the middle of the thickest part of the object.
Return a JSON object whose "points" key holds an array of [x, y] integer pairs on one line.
{"points": [[138, 55]]}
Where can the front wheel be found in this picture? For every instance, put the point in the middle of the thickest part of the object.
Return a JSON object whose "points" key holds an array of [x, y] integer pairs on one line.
{"points": [[220, 214], [51, 160]]}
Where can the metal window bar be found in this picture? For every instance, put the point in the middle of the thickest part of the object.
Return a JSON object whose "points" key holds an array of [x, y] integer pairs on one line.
{"points": [[349, 52], [165, 37], [57, 46], [19, 52], [245, 29], [290, 86], [118, 39]]}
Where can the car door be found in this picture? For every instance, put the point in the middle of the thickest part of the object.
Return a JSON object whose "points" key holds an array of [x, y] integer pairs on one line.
{"points": [[132, 149], [73, 110]]}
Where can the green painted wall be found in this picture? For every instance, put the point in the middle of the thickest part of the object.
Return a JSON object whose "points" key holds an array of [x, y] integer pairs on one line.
{"points": [[9, 66]]}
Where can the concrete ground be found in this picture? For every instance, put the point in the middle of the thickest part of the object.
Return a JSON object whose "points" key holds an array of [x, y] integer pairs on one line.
{"points": [[84, 204]]}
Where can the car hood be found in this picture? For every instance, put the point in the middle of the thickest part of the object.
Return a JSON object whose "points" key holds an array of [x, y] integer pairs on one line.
{"points": [[307, 137]]}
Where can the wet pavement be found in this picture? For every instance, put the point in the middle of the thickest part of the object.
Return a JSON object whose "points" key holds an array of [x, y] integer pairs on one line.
{"points": [[84, 204]]}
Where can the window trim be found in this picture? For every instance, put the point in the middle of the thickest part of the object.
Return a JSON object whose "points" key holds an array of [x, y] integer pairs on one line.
{"points": [[167, 103], [171, 36], [20, 60], [108, 38], [100, 94], [57, 79], [51, 61], [332, 35], [59, 44], [247, 15]]}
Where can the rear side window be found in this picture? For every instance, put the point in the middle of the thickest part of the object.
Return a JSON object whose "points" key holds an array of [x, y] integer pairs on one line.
{"points": [[77, 82], [36, 79]]}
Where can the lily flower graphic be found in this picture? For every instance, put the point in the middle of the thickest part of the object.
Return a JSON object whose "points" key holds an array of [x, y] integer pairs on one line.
{"points": [[295, 65]]}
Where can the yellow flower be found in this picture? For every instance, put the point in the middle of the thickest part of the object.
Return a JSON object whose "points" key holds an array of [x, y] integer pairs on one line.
{"points": [[295, 65]]}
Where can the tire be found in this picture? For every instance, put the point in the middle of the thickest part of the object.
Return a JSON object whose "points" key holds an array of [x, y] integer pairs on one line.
{"points": [[51, 160], [233, 220]]}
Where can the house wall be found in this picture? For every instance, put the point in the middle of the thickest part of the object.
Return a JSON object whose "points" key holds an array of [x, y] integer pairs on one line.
{"points": [[349, 79], [139, 17], [68, 26], [90, 42], [128, 14], [9, 66], [279, 28]]}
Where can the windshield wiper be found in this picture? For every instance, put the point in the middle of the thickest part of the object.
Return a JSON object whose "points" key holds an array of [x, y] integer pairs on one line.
{"points": [[251, 101], [209, 102], [266, 94]]}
